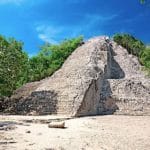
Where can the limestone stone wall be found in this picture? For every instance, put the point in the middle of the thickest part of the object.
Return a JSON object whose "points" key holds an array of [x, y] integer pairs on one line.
{"points": [[132, 96], [37, 103]]}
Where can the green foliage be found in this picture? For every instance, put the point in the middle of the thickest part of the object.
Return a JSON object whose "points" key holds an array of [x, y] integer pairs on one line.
{"points": [[12, 65], [51, 57], [145, 59], [133, 45], [17, 69]]}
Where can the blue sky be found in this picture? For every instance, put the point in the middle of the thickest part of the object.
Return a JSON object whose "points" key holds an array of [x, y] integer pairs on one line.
{"points": [[37, 21]]}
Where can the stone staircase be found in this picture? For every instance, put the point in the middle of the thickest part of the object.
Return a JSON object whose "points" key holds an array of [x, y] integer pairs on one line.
{"points": [[125, 85]]}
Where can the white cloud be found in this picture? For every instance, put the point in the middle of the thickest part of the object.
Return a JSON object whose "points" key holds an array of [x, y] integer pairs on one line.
{"points": [[100, 18], [48, 33], [92, 21], [16, 2], [51, 33], [47, 38]]}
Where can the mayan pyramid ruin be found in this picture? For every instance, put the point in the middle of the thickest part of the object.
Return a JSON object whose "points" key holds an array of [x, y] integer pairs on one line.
{"points": [[100, 77]]}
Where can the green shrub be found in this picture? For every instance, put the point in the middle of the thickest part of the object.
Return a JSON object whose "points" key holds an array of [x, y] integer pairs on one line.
{"points": [[145, 59], [12, 65], [133, 45]]}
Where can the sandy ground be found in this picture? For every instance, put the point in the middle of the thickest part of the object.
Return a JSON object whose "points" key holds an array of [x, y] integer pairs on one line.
{"points": [[87, 133]]}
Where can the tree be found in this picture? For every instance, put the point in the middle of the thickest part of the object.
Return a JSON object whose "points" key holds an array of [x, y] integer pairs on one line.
{"points": [[12, 65], [145, 57], [17, 69], [133, 45]]}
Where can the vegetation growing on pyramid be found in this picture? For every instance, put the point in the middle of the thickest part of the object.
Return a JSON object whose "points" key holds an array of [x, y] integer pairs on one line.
{"points": [[135, 47]]}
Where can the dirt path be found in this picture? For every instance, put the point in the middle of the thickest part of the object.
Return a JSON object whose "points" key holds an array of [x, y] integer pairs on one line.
{"points": [[88, 133]]}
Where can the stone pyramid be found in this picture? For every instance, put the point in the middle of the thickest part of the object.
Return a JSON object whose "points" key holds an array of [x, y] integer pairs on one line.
{"points": [[100, 77]]}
